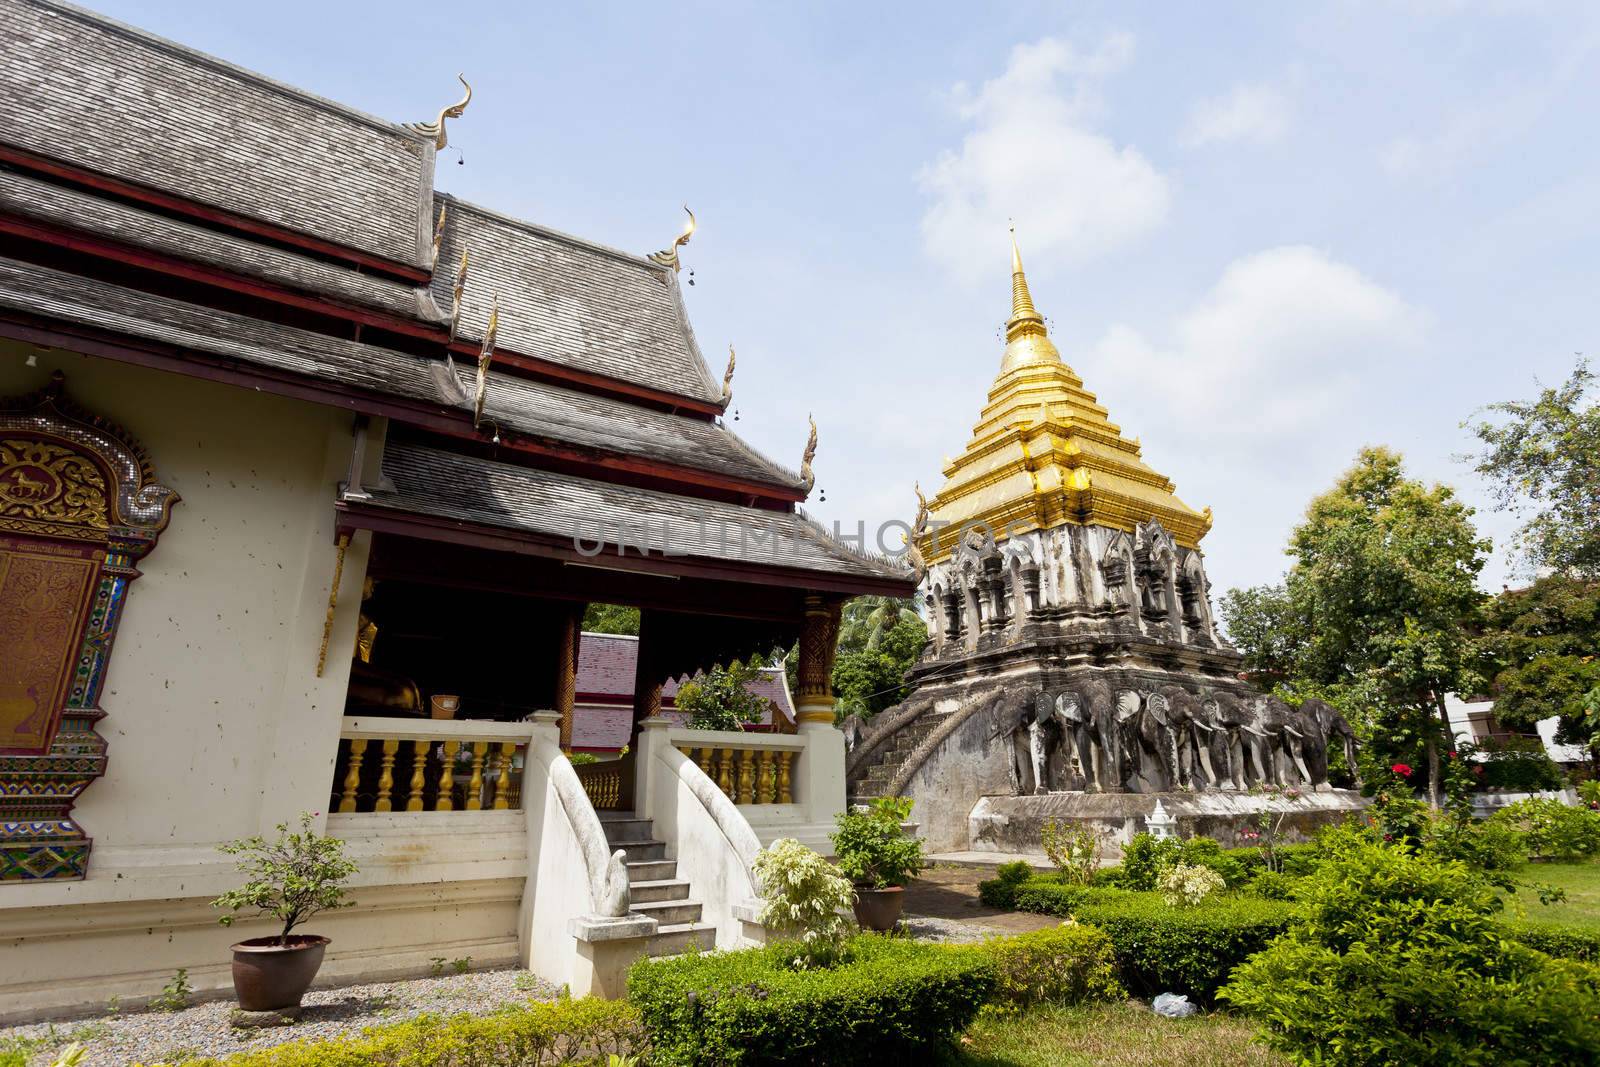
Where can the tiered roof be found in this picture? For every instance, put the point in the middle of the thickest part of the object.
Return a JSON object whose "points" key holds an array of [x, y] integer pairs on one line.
{"points": [[1045, 452], [161, 207]]}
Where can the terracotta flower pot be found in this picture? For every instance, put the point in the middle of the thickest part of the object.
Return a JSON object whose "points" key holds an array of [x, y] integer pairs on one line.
{"points": [[268, 976], [879, 909]]}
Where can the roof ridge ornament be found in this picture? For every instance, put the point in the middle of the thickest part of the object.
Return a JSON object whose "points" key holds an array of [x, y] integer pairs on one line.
{"points": [[668, 257], [438, 236], [1025, 318], [455, 301], [806, 476], [435, 129], [727, 378], [485, 356]]}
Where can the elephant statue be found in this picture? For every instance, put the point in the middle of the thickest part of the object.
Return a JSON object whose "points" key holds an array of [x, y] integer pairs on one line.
{"points": [[1331, 726], [1214, 727], [1286, 740], [1085, 711], [1023, 717]]}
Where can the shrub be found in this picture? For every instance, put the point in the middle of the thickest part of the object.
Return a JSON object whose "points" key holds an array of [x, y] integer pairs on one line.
{"points": [[1272, 885], [1589, 792], [291, 879], [1143, 859], [1068, 964], [1074, 849], [1519, 764], [1001, 890], [1045, 896], [1205, 852], [873, 848], [566, 1031], [886, 1001], [1189, 950], [1399, 960], [1551, 830], [1486, 844], [803, 897], [1558, 939], [1185, 885]]}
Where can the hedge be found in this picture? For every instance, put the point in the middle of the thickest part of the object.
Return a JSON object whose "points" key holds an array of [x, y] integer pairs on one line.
{"points": [[1558, 939], [1067, 964], [1162, 949], [889, 1000], [586, 1031]]}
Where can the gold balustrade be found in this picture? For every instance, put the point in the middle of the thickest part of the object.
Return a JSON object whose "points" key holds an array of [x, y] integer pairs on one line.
{"points": [[748, 774], [424, 768], [603, 782]]}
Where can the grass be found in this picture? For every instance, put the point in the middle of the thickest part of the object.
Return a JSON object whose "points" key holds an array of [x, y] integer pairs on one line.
{"points": [[1581, 881], [1111, 1035]]}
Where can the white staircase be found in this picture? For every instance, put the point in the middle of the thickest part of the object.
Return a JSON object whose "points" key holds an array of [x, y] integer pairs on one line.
{"points": [[655, 888]]}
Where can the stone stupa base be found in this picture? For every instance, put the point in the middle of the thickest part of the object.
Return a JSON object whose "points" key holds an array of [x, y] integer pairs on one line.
{"points": [[1015, 825]]}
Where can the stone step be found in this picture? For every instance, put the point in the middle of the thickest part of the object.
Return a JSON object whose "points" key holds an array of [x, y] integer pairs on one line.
{"points": [[643, 850], [882, 772], [616, 816], [868, 790], [624, 831], [645, 891], [676, 938], [668, 912], [651, 871]]}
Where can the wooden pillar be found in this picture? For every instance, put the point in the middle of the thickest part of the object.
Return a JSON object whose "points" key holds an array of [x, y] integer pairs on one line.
{"points": [[567, 647], [818, 638]]}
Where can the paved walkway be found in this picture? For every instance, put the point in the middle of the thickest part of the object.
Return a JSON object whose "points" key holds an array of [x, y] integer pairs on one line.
{"points": [[951, 893]]}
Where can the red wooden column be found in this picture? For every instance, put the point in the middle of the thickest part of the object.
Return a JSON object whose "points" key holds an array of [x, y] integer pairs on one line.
{"points": [[818, 638], [567, 671]]}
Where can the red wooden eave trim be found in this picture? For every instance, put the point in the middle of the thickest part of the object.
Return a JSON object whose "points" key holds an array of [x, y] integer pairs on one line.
{"points": [[353, 515], [436, 418], [526, 366], [182, 205]]}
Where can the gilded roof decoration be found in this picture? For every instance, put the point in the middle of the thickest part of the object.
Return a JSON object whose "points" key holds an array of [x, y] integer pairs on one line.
{"points": [[435, 129], [727, 378], [1045, 453], [668, 257], [806, 476]]}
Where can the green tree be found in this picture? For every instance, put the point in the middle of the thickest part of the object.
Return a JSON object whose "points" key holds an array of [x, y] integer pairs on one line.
{"points": [[611, 619], [1541, 648], [870, 665], [720, 699], [1375, 612], [1543, 461]]}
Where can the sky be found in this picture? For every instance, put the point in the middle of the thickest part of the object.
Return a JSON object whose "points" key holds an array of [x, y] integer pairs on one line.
{"points": [[1264, 235]]}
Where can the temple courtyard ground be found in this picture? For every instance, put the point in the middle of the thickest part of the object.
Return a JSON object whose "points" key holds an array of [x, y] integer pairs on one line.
{"points": [[942, 905]]}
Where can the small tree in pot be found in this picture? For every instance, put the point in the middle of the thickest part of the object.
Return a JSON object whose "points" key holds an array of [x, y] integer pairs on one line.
{"points": [[874, 852], [291, 879]]}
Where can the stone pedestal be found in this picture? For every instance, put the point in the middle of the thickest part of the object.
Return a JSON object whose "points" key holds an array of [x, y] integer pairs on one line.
{"points": [[1015, 825]]}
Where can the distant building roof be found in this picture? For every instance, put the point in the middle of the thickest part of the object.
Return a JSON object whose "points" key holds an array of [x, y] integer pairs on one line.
{"points": [[603, 717]]}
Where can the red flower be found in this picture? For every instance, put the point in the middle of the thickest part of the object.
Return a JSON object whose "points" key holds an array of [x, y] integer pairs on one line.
{"points": [[1477, 770], [1452, 754], [1402, 769]]}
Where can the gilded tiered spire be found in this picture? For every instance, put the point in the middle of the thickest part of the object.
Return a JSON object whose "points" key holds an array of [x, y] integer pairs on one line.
{"points": [[1044, 453]]}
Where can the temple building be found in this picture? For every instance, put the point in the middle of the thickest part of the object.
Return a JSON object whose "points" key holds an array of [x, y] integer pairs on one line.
{"points": [[307, 473], [1052, 555]]}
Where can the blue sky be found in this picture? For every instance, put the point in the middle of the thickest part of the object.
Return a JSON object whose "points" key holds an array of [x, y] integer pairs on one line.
{"points": [[1264, 235]]}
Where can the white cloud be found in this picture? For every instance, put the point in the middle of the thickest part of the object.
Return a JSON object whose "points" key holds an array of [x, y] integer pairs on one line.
{"points": [[1280, 344], [1033, 154], [1256, 113]]}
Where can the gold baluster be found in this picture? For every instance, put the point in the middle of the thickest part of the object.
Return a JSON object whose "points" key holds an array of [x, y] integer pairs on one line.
{"points": [[725, 772], [766, 780], [502, 781], [785, 786], [475, 783], [747, 776], [704, 759], [352, 774], [446, 800], [391, 745], [419, 773]]}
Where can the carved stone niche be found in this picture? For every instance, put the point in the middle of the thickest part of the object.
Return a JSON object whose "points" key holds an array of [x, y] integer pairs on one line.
{"points": [[79, 505]]}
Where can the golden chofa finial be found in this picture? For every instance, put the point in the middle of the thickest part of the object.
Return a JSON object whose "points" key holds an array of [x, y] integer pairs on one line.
{"points": [[435, 129], [806, 476], [1027, 340], [668, 257], [727, 378]]}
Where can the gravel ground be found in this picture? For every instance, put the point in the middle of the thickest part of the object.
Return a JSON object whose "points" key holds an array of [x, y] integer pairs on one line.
{"points": [[203, 1030], [929, 928]]}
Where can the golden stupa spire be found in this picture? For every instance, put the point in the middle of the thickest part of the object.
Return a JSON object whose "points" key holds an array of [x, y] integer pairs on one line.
{"points": [[1027, 340]]}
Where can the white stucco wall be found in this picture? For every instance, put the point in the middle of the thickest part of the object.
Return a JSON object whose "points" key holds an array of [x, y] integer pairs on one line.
{"points": [[218, 726]]}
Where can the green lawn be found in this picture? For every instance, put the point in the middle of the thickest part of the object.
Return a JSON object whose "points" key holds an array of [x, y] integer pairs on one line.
{"points": [[1581, 881], [1111, 1035]]}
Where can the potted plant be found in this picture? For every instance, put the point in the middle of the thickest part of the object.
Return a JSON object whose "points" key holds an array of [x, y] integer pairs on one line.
{"points": [[291, 879], [875, 853]]}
